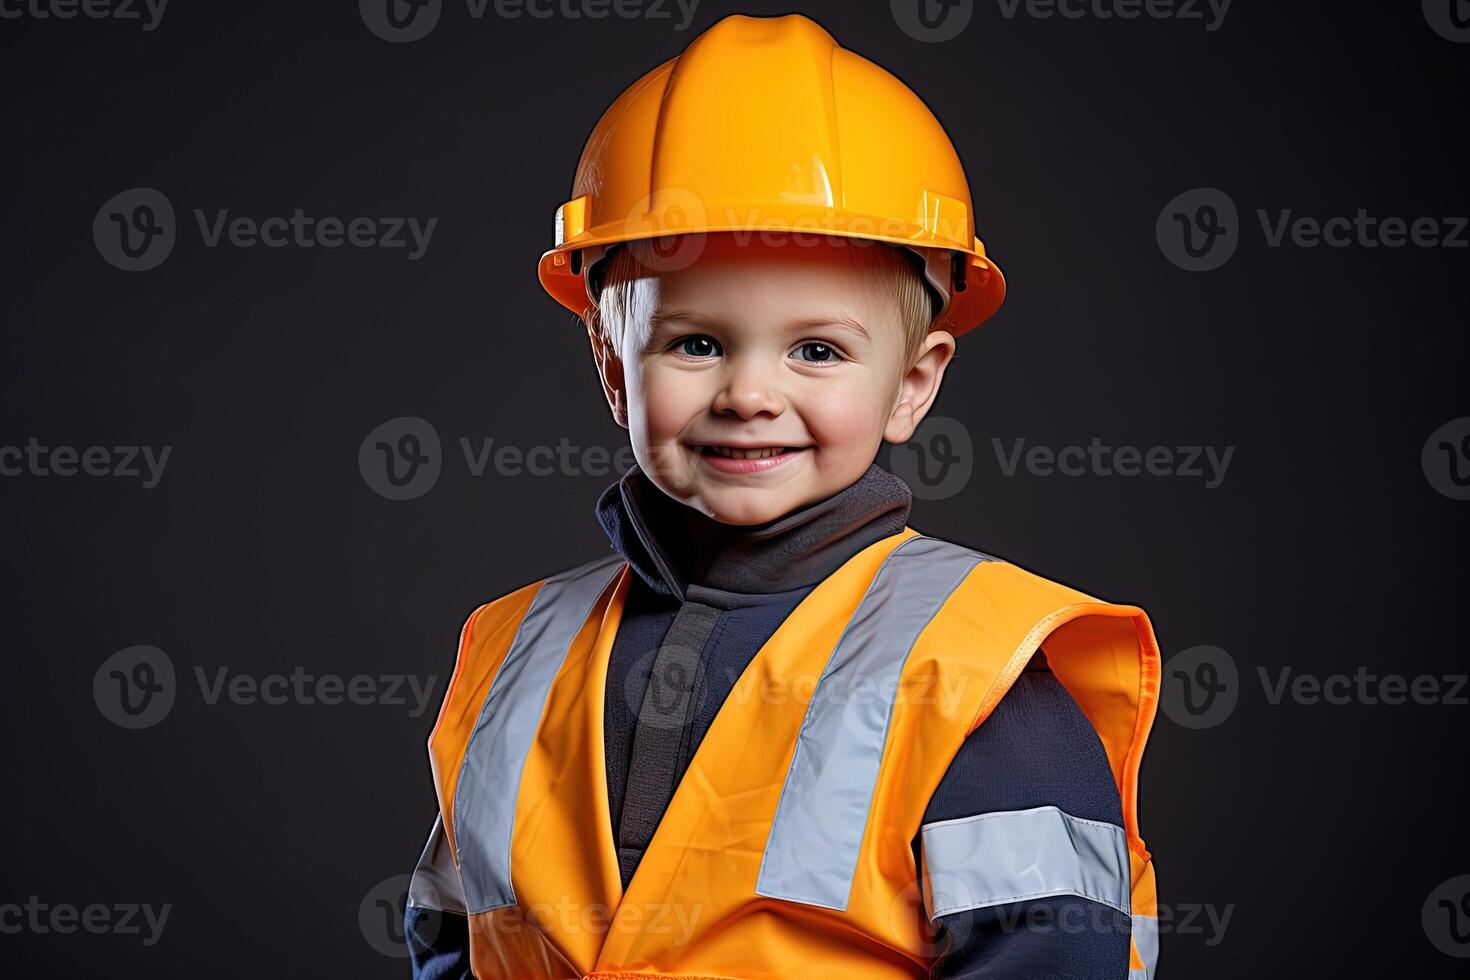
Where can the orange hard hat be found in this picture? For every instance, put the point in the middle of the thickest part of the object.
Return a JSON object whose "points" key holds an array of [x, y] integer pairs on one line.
{"points": [[766, 124]]}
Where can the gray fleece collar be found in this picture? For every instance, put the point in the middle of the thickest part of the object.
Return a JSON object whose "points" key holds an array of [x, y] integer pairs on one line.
{"points": [[676, 549]]}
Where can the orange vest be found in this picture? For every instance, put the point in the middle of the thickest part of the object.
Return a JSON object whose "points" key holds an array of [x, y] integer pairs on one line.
{"points": [[787, 845]]}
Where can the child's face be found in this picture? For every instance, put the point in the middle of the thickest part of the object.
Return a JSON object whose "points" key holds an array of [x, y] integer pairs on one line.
{"points": [[766, 345]]}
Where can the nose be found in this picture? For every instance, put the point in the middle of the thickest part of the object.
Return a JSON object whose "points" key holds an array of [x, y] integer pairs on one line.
{"points": [[748, 389]]}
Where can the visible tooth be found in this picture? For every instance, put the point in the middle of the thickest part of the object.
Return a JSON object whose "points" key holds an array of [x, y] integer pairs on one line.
{"points": [[747, 453]]}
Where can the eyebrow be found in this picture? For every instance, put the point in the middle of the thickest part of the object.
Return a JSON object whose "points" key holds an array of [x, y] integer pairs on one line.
{"points": [[806, 323]]}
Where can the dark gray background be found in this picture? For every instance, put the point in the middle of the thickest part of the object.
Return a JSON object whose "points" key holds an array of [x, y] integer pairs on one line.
{"points": [[1322, 829]]}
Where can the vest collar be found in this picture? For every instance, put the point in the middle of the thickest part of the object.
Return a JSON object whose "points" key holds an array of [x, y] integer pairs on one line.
{"points": [[672, 546]]}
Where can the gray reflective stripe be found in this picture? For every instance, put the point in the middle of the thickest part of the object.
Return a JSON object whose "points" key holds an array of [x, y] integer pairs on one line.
{"points": [[485, 798], [1146, 938], [812, 852], [435, 883], [1019, 855]]}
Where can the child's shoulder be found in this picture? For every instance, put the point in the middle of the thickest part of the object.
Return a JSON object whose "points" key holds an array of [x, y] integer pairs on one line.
{"points": [[584, 580], [989, 570]]}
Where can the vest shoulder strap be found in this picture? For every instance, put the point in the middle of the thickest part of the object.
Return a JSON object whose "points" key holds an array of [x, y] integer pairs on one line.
{"points": [[507, 638], [1106, 655]]}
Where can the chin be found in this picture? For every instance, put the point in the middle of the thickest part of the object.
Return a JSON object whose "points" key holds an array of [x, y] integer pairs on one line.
{"points": [[748, 512]]}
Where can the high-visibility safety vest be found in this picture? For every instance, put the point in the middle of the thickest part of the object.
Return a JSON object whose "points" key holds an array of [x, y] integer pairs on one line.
{"points": [[786, 849]]}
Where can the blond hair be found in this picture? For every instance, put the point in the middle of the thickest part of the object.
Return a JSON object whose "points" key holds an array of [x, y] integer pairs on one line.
{"points": [[886, 268]]}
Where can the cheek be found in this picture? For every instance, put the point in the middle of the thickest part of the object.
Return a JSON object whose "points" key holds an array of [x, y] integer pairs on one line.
{"points": [[668, 399], [846, 416]]}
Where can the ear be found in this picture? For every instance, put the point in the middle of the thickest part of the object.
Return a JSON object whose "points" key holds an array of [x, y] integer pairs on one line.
{"points": [[919, 386], [610, 370]]}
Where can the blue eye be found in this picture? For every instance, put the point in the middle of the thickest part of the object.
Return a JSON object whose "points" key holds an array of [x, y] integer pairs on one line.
{"points": [[823, 353], [706, 346]]}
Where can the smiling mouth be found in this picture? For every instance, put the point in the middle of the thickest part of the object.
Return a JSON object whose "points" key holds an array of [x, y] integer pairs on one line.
{"points": [[732, 452]]}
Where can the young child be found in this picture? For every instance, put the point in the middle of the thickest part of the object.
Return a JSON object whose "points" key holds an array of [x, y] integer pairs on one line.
{"points": [[778, 732]]}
